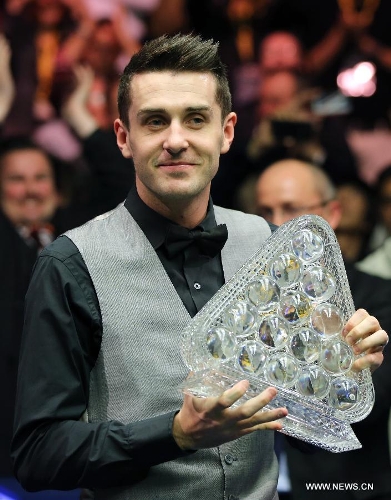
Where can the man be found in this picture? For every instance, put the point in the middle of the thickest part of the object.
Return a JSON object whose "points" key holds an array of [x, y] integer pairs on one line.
{"points": [[28, 199], [285, 190], [378, 262], [28, 202], [108, 302], [110, 170]]}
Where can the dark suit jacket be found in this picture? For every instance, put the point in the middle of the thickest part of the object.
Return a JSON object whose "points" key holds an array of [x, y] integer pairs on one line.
{"points": [[16, 262], [370, 464]]}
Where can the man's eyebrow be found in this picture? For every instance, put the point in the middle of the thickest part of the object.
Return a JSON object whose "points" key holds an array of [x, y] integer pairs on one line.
{"points": [[195, 109], [149, 111], [189, 109]]}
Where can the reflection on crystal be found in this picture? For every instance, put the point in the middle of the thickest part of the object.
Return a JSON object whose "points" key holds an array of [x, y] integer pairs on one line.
{"points": [[221, 343], [312, 418], [240, 318], [318, 283], [263, 293], [307, 245], [295, 307], [251, 356], [344, 393], [327, 319], [313, 381], [336, 357], [305, 345], [282, 369], [274, 331], [285, 270]]}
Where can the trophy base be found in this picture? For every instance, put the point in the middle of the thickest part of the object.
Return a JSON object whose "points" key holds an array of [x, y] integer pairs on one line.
{"points": [[306, 420]]}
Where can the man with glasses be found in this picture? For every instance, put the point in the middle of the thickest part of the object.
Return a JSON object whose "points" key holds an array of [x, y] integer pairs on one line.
{"points": [[285, 190]]}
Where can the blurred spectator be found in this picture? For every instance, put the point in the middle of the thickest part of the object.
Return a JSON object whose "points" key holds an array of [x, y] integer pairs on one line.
{"points": [[290, 126], [286, 190], [379, 261], [135, 14], [238, 25], [242, 24], [46, 38], [357, 219], [29, 200], [102, 51], [336, 35], [290, 188], [371, 147], [280, 51], [286, 127], [112, 174], [295, 118], [169, 17]]}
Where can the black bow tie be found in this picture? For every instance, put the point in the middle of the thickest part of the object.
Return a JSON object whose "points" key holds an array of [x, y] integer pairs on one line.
{"points": [[209, 243]]}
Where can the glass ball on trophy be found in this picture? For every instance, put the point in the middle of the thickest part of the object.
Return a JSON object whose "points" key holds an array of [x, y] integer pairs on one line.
{"points": [[285, 270], [327, 319], [313, 381], [282, 369], [263, 293], [273, 331], [251, 356], [305, 345]]}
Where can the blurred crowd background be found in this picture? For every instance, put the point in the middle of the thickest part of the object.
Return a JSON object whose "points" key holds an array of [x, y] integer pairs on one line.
{"points": [[310, 80]]}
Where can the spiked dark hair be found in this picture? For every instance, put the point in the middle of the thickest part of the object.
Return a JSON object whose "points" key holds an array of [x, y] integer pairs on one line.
{"points": [[175, 53]]}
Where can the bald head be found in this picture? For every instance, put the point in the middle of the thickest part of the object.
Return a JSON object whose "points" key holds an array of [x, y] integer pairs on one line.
{"points": [[290, 188]]}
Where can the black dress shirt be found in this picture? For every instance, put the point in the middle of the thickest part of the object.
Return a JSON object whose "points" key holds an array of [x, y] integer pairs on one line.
{"points": [[52, 448], [196, 278]]}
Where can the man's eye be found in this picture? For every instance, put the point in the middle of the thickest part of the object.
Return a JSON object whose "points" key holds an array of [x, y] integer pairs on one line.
{"points": [[265, 212], [155, 122], [196, 121]]}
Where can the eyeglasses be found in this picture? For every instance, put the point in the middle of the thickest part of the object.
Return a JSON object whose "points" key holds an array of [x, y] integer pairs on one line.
{"points": [[289, 211]]}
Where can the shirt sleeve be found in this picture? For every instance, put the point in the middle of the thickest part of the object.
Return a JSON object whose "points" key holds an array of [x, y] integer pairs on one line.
{"points": [[53, 447]]}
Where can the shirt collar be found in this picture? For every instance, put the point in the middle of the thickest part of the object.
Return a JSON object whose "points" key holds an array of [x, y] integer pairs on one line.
{"points": [[154, 225]]}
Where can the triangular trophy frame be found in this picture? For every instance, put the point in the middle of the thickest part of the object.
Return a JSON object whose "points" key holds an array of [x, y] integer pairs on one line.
{"points": [[312, 419]]}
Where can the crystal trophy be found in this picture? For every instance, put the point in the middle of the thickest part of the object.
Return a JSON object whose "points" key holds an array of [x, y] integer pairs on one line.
{"points": [[278, 322]]}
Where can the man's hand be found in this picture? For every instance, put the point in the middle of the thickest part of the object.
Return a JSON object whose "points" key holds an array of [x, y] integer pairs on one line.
{"points": [[209, 422], [363, 332], [75, 110], [7, 86]]}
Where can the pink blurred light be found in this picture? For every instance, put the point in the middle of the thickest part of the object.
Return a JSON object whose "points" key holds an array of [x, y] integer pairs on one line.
{"points": [[358, 81]]}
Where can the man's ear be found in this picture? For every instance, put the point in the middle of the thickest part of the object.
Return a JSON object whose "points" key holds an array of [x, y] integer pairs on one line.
{"points": [[334, 213], [122, 135], [228, 132]]}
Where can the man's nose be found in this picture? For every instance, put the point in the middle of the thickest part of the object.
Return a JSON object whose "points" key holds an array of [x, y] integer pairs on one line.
{"points": [[32, 187], [278, 216], [175, 141]]}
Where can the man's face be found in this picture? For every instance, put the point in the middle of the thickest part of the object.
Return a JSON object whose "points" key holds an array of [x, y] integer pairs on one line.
{"points": [[27, 190], [103, 50], [276, 92], [176, 136], [286, 192], [280, 51]]}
